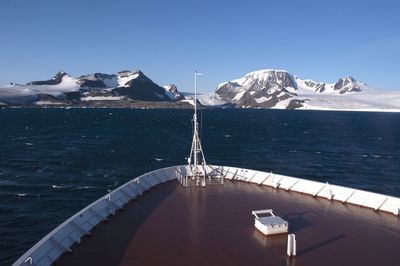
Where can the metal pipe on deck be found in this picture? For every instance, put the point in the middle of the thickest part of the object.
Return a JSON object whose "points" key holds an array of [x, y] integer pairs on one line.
{"points": [[291, 246]]}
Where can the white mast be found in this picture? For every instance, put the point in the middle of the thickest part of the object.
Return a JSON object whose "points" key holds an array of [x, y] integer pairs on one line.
{"points": [[197, 162]]}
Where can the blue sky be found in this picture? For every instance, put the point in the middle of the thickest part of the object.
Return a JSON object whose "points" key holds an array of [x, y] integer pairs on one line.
{"points": [[168, 40]]}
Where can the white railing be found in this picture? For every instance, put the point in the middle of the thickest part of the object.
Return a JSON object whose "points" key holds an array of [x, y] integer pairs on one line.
{"points": [[375, 201], [63, 237]]}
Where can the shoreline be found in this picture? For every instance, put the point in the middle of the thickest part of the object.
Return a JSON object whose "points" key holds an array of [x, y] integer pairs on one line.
{"points": [[186, 106]]}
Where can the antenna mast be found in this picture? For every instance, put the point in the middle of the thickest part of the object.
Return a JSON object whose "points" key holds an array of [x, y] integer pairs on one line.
{"points": [[198, 171], [197, 161]]}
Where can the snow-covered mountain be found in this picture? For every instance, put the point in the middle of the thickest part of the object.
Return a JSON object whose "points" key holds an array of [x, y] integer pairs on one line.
{"points": [[267, 88], [58, 86], [64, 89], [278, 89]]}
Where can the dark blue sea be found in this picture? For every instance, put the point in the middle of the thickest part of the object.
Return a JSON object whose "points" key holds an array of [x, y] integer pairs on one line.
{"points": [[53, 162]]}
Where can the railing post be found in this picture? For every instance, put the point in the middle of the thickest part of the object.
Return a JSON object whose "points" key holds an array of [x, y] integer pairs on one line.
{"points": [[29, 259]]}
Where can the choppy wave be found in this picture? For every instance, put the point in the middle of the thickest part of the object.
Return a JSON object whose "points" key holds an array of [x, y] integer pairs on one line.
{"points": [[84, 187]]}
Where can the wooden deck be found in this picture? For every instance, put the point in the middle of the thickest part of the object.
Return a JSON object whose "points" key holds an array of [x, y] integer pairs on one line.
{"points": [[173, 225]]}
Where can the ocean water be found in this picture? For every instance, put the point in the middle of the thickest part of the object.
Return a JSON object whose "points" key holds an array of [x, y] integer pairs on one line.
{"points": [[54, 162]]}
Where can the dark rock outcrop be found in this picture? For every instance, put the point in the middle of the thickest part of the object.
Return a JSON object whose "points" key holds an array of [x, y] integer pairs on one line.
{"points": [[142, 88], [296, 103], [95, 80], [51, 99], [317, 86], [73, 96]]}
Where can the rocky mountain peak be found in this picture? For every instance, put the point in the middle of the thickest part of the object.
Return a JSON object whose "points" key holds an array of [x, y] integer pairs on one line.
{"points": [[266, 77], [173, 93], [347, 85], [263, 88], [138, 76], [60, 73], [124, 73], [56, 79], [171, 88]]}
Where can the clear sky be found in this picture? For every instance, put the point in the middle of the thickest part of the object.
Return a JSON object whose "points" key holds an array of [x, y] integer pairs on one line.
{"points": [[168, 40]]}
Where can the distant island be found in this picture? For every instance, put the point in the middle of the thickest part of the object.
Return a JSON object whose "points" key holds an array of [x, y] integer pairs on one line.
{"points": [[266, 89]]}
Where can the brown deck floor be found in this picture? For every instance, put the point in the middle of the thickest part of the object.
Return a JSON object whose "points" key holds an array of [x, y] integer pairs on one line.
{"points": [[172, 225]]}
